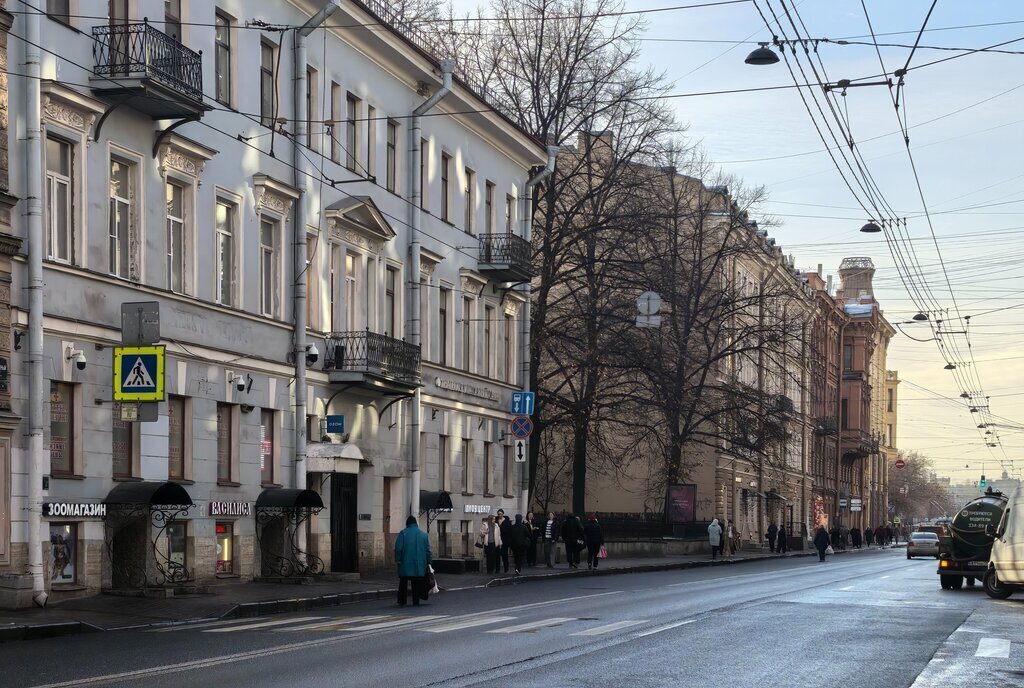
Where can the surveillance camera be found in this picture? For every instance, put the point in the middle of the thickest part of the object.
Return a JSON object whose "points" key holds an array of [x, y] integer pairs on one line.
{"points": [[240, 383], [78, 357], [312, 354]]}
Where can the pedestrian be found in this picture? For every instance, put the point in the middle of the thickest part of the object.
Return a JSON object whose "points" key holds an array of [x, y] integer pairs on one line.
{"points": [[888, 533], [855, 537], [490, 537], [550, 533], [821, 541], [773, 532], [594, 538], [880, 536], [869, 536], [715, 538], [531, 545], [782, 534], [412, 556], [732, 535], [505, 526], [518, 540], [833, 536], [572, 536]]}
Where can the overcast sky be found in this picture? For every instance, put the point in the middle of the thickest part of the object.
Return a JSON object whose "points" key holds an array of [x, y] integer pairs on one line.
{"points": [[969, 164]]}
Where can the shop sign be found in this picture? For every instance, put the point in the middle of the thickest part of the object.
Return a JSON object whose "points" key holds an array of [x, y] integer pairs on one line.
{"points": [[465, 388], [477, 509], [230, 508], [681, 504], [74, 510]]}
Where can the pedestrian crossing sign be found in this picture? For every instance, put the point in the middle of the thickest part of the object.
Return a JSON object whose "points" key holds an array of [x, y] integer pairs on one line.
{"points": [[138, 373]]}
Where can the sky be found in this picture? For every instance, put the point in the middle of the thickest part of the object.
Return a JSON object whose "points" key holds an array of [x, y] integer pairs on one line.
{"points": [[968, 163]]}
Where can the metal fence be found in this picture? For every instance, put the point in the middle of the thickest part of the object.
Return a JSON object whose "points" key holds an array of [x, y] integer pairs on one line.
{"points": [[140, 51], [372, 352], [633, 526]]}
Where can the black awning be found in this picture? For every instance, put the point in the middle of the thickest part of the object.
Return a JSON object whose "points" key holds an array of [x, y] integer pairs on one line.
{"points": [[282, 498], [148, 492], [435, 501], [774, 495]]}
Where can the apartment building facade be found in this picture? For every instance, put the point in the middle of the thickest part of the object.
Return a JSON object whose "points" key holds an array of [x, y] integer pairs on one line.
{"points": [[182, 146]]}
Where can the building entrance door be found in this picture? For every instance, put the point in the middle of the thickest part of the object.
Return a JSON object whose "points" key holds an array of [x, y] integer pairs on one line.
{"points": [[344, 556]]}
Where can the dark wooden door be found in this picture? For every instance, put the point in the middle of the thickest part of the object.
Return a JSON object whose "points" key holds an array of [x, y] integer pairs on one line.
{"points": [[344, 556]]}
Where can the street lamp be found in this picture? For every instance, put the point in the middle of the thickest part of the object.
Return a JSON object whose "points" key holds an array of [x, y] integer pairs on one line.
{"points": [[762, 56], [871, 227], [950, 366], [920, 317]]}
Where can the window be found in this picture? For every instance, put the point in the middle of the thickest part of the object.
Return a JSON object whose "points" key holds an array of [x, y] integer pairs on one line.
{"points": [[844, 414], [60, 233], [62, 428], [222, 59], [172, 19], [268, 90], [176, 437], [467, 459], [442, 461], [334, 285], [390, 303], [351, 290], [889, 399], [488, 457], [225, 547], [509, 205], [371, 141], [176, 533], [469, 195], [226, 213], [488, 344], [175, 199], [424, 155], [446, 165], [443, 544], [267, 419], [122, 194], [890, 436], [426, 345], [392, 157], [269, 271], [59, 10], [225, 443], [351, 138], [63, 553], [509, 486], [467, 315], [312, 283], [489, 207], [311, 109], [510, 328], [442, 325], [847, 356], [122, 449]]}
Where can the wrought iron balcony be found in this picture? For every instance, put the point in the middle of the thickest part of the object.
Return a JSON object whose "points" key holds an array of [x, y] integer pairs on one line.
{"points": [[159, 75], [826, 425], [373, 360], [506, 257], [857, 444]]}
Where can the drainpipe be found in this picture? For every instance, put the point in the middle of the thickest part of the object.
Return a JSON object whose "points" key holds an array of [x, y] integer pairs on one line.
{"points": [[34, 219], [524, 326], [299, 266], [415, 219]]}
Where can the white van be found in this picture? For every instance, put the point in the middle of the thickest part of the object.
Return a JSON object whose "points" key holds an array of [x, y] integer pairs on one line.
{"points": [[1005, 574]]}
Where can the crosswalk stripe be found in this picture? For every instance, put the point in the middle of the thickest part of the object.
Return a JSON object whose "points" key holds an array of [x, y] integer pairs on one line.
{"points": [[331, 625], [993, 647], [467, 623], [608, 628], [263, 624], [194, 626], [534, 624], [666, 627]]}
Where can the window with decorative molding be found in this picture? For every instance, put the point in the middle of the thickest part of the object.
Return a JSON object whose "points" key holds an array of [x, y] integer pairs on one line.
{"points": [[226, 217], [177, 236], [222, 58], [270, 267], [122, 217], [61, 236]]}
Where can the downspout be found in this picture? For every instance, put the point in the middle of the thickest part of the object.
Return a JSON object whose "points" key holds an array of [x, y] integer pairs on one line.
{"points": [[34, 219], [839, 418], [415, 218], [299, 266], [524, 325]]}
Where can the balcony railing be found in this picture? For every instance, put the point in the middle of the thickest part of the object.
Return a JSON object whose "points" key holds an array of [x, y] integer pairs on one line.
{"points": [[858, 443], [826, 425], [506, 252], [373, 354], [138, 51]]}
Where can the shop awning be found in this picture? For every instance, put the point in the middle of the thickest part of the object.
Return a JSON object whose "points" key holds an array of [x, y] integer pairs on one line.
{"points": [[327, 457], [774, 495], [289, 498], [148, 492], [435, 501]]}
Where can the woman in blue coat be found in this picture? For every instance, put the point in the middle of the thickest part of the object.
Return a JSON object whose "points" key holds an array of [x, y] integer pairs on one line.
{"points": [[412, 555]]}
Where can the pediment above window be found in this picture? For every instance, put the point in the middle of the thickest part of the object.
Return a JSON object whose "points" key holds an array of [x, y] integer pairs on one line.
{"points": [[428, 261], [472, 282], [67, 107], [273, 195], [358, 220], [180, 154]]}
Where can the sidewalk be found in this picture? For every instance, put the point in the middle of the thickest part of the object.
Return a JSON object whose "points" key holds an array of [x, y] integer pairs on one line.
{"points": [[109, 612]]}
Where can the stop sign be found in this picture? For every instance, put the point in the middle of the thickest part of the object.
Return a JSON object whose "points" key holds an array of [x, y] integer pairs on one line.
{"points": [[900, 463]]}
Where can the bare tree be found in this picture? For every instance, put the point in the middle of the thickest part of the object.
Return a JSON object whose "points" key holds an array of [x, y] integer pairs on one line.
{"points": [[914, 490]]}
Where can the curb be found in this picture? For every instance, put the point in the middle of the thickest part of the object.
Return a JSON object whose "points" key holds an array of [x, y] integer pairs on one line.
{"points": [[51, 630]]}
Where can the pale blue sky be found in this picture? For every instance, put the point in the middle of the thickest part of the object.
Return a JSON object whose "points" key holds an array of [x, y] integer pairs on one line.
{"points": [[968, 159]]}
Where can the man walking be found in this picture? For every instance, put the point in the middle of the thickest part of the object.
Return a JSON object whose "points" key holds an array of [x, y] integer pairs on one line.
{"points": [[505, 526], [550, 534], [572, 536], [783, 545], [531, 546], [412, 555], [773, 532], [821, 542], [519, 536]]}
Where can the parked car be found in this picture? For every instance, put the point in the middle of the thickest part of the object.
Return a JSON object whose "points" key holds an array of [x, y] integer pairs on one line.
{"points": [[923, 544]]}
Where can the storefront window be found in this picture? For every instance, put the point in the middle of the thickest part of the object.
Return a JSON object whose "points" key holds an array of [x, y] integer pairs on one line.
{"points": [[61, 424], [225, 548], [63, 551], [176, 437], [176, 543]]}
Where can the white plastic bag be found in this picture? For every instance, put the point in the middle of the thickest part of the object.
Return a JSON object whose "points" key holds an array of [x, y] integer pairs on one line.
{"points": [[829, 550], [432, 580]]}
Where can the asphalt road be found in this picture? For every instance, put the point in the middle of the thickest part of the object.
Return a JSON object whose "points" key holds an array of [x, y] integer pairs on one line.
{"points": [[869, 619]]}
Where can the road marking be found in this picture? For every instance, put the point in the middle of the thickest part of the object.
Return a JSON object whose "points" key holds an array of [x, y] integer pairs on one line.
{"points": [[190, 626], [398, 622], [883, 577], [608, 628], [339, 621], [544, 623], [667, 627], [848, 587], [263, 624], [466, 623], [993, 647]]}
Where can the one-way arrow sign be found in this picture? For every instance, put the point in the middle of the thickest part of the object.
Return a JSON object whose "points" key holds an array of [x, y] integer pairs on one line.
{"points": [[519, 451], [522, 403]]}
